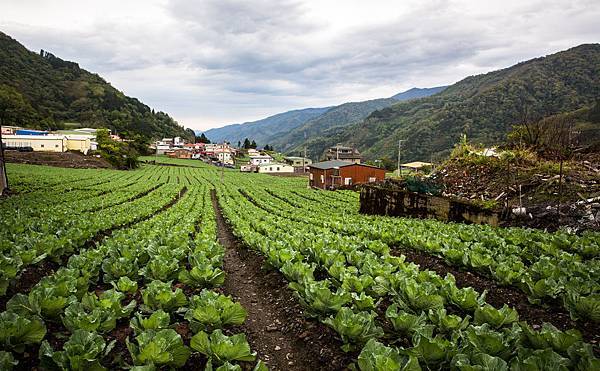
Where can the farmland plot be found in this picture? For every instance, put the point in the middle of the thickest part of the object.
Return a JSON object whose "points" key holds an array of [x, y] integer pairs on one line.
{"points": [[111, 269]]}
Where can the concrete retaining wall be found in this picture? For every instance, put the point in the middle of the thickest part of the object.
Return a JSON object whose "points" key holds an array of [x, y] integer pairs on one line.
{"points": [[377, 200]]}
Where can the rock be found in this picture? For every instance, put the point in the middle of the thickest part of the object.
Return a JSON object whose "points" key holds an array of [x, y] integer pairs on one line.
{"points": [[277, 347], [271, 328]]}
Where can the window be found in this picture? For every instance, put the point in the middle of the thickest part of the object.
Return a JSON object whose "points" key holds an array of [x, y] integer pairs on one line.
{"points": [[41, 145], [347, 181], [322, 179], [310, 176], [56, 146], [336, 172], [277, 168], [372, 179], [270, 168]]}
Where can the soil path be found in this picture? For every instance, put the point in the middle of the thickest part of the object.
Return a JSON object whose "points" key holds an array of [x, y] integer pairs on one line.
{"points": [[275, 326]]}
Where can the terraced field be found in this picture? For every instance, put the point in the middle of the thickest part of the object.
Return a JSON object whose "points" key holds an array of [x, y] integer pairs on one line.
{"points": [[180, 267]]}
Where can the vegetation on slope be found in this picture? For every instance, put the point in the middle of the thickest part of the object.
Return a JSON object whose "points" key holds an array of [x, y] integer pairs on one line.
{"points": [[43, 91], [483, 107]]}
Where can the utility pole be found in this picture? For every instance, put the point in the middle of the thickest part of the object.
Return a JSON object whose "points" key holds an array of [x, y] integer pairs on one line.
{"points": [[303, 159], [399, 150], [222, 161], [3, 176]]}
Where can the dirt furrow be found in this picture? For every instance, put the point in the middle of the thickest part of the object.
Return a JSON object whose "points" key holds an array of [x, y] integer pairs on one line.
{"points": [[275, 326]]}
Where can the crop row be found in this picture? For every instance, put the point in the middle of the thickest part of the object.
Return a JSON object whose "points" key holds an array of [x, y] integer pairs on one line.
{"points": [[149, 266], [537, 263], [430, 322]]}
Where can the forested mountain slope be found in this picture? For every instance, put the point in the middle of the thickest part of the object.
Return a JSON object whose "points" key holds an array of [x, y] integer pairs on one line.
{"points": [[42, 91], [484, 107]]}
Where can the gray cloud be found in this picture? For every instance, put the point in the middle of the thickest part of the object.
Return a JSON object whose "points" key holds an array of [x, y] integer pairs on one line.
{"points": [[214, 62]]}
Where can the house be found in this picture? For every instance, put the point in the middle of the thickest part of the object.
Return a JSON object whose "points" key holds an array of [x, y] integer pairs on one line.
{"points": [[416, 165], [168, 144], [180, 153], [253, 152], [299, 163], [247, 168], [260, 159], [271, 168], [335, 173], [224, 156], [9, 130], [343, 153], [39, 143]]}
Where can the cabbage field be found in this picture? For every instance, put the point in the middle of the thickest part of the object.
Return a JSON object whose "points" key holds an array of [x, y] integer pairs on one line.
{"points": [[199, 268]]}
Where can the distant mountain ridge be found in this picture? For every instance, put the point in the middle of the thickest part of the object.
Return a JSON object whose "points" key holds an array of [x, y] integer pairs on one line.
{"points": [[484, 107], [288, 129], [47, 91], [263, 131]]}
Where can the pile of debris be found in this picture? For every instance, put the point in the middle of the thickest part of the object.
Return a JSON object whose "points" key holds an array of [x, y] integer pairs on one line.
{"points": [[529, 193]]}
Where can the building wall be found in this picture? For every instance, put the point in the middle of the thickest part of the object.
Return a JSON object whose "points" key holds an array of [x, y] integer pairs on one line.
{"points": [[316, 178], [39, 143], [81, 145], [275, 168], [358, 174], [258, 161], [361, 174]]}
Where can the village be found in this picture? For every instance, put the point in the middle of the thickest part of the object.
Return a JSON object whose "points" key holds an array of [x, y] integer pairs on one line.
{"points": [[339, 167]]}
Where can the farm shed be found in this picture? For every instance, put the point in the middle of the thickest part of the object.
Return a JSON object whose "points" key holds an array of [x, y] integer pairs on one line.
{"points": [[332, 174], [39, 143]]}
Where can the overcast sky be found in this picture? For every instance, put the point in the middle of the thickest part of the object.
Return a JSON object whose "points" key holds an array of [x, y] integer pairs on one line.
{"points": [[213, 62]]}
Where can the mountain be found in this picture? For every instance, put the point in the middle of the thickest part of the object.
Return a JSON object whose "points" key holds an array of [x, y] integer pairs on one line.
{"points": [[286, 130], [263, 131], [344, 115], [43, 91], [416, 93], [484, 107]]}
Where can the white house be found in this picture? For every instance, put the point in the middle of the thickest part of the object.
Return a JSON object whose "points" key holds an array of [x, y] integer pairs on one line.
{"points": [[275, 168], [253, 152], [260, 159], [224, 156]]}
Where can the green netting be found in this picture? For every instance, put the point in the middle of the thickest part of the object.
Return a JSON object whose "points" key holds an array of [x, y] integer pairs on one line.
{"points": [[419, 185]]}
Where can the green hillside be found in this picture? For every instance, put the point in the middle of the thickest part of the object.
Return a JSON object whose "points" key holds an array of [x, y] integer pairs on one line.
{"points": [[40, 90], [484, 107]]}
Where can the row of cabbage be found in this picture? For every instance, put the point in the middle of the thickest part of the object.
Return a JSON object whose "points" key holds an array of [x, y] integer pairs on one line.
{"points": [[147, 265], [537, 263], [429, 322], [66, 227]]}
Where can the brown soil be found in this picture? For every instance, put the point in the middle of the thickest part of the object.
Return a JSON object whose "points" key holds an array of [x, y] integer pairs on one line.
{"points": [[275, 326], [66, 159], [499, 295]]}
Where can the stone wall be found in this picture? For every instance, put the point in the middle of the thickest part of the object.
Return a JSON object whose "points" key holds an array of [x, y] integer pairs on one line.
{"points": [[377, 200]]}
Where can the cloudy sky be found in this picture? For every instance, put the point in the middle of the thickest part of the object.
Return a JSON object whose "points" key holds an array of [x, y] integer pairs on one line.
{"points": [[213, 62]]}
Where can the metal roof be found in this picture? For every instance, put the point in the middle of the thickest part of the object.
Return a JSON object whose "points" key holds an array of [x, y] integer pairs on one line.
{"points": [[331, 164]]}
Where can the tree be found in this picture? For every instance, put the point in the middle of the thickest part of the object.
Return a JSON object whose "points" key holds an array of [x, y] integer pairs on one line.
{"points": [[246, 143], [268, 148], [253, 145], [202, 139], [14, 108], [239, 144]]}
